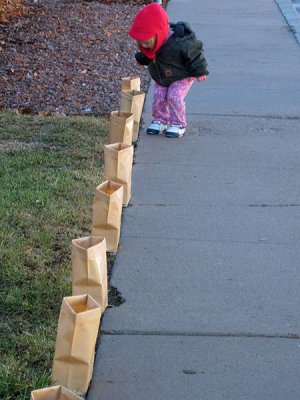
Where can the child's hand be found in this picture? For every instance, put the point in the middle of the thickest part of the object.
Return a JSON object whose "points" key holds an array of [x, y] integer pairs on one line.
{"points": [[201, 78], [142, 59], [139, 65]]}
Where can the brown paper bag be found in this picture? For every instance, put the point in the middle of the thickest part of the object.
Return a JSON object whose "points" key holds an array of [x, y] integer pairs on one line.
{"points": [[118, 160], [107, 213], [54, 393], [120, 127], [89, 269], [133, 101], [77, 333], [131, 83]]}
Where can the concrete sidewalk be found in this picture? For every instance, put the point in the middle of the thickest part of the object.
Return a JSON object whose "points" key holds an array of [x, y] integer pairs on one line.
{"points": [[209, 253]]}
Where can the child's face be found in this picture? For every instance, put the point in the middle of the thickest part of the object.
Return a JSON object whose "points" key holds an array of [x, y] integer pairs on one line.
{"points": [[148, 44]]}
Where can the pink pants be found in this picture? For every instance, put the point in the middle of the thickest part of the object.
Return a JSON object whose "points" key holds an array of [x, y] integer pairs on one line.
{"points": [[168, 104]]}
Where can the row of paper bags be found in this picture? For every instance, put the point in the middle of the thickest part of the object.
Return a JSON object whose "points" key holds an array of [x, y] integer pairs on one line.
{"points": [[80, 314]]}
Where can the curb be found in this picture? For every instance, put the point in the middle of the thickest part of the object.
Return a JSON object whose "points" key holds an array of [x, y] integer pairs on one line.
{"points": [[291, 15]]}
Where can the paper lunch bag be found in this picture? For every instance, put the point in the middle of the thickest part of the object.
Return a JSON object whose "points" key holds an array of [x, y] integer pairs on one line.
{"points": [[107, 213], [133, 101], [77, 332], [131, 83], [54, 393], [120, 127], [118, 159], [89, 269]]}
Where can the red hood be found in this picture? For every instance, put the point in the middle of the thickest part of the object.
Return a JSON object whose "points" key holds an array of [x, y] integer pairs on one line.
{"points": [[151, 20]]}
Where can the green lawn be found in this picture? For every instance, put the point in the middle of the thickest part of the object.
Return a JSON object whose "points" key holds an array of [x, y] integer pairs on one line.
{"points": [[49, 169]]}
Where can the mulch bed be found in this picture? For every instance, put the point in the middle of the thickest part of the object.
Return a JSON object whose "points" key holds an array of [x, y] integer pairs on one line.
{"points": [[68, 57]]}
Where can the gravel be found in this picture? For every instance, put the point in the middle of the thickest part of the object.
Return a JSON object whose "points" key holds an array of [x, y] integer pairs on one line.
{"points": [[68, 57]]}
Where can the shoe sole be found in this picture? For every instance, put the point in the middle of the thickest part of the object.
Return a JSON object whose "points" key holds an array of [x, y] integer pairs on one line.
{"points": [[152, 132], [174, 136]]}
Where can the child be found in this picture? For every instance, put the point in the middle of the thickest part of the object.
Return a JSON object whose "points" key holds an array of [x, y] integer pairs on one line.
{"points": [[175, 59]]}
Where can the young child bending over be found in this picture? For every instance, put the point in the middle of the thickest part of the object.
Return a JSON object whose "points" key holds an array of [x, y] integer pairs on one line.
{"points": [[175, 58]]}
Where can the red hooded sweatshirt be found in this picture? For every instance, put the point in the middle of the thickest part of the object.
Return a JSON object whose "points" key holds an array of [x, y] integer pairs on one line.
{"points": [[151, 20]]}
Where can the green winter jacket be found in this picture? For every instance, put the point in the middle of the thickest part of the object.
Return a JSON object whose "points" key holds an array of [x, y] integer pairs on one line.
{"points": [[180, 57]]}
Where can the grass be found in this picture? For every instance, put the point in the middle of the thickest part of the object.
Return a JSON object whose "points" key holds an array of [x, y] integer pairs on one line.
{"points": [[49, 169]]}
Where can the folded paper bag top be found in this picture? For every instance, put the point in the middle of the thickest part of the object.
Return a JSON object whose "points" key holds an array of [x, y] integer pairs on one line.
{"points": [[89, 268], [107, 205], [77, 331], [82, 304], [107, 213], [122, 154], [54, 393], [131, 83], [118, 159], [115, 148], [121, 127], [88, 243], [132, 101], [109, 187]]}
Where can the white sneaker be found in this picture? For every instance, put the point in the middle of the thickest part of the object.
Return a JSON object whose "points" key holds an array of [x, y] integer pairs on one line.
{"points": [[156, 127], [175, 131]]}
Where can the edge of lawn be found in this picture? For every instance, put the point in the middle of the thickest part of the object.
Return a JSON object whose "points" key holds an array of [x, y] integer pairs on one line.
{"points": [[49, 169]]}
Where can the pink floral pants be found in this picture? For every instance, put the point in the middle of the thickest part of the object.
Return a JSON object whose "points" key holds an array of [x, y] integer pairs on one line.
{"points": [[168, 104]]}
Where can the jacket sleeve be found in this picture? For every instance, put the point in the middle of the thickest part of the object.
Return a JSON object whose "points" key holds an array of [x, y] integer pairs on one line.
{"points": [[194, 59], [142, 59]]}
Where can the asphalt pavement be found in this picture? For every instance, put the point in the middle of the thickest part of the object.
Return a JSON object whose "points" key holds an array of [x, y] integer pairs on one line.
{"points": [[209, 254]]}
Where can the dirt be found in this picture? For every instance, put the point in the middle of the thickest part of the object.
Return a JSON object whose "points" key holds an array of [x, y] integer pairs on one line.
{"points": [[68, 57]]}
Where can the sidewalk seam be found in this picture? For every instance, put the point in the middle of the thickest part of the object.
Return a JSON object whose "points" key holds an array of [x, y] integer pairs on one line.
{"points": [[258, 242], [201, 334]]}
